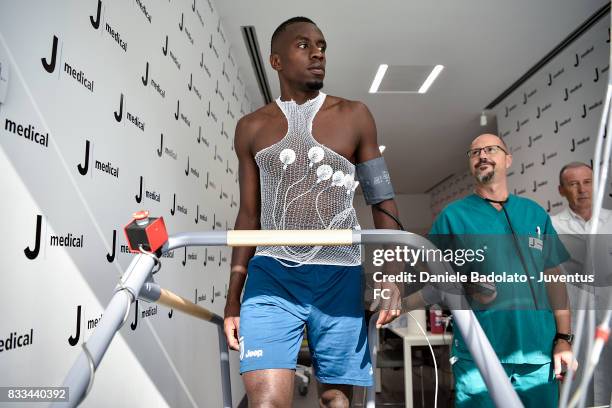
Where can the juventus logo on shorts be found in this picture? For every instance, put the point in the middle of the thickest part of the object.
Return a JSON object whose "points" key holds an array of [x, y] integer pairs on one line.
{"points": [[241, 341]]}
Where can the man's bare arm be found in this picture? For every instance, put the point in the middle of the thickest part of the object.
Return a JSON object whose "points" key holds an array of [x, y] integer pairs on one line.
{"points": [[367, 149], [559, 302], [247, 219]]}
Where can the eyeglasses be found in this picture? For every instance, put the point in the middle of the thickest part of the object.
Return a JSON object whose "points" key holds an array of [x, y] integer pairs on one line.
{"points": [[489, 151]]}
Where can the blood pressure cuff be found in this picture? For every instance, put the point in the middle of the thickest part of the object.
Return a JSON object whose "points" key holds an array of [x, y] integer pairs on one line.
{"points": [[375, 181]]}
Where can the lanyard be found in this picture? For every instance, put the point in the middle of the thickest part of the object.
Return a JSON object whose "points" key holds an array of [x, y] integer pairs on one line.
{"points": [[517, 246]]}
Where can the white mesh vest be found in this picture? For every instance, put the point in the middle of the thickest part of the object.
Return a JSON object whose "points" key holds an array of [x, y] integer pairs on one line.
{"points": [[306, 186]]}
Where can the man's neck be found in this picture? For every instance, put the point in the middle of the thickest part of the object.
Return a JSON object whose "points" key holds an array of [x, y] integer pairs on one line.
{"points": [[584, 213], [493, 191], [299, 96]]}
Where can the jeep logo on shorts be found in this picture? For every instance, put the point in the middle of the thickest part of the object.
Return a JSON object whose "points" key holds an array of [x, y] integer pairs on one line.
{"points": [[254, 353]]}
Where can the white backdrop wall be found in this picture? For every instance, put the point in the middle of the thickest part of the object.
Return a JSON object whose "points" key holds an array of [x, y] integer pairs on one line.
{"points": [[135, 103], [550, 120]]}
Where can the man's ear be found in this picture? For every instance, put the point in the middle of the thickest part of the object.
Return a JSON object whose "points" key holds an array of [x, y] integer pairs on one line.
{"points": [[508, 161], [561, 191], [275, 62]]}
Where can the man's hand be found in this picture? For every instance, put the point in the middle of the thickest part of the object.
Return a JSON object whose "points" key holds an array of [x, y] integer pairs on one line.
{"points": [[563, 357], [231, 323], [390, 308]]}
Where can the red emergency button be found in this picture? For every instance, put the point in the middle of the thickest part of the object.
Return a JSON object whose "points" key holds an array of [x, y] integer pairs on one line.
{"points": [[141, 215]]}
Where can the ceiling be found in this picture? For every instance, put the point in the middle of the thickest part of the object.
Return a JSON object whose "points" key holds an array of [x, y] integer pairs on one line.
{"points": [[485, 46]]}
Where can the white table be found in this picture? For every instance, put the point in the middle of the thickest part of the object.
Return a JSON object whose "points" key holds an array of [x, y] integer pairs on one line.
{"points": [[410, 340]]}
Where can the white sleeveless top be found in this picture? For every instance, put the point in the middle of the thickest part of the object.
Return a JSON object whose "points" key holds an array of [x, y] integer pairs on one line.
{"points": [[306, 186]]}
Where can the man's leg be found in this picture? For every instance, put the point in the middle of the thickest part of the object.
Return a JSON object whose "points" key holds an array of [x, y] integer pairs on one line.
{"points": [[337, 334], [335, 395], [271, 330], [271, 388]]}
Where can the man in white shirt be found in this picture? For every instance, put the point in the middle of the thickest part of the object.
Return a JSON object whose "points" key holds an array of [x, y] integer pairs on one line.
{"points": [[573, 225], [576, 185]]}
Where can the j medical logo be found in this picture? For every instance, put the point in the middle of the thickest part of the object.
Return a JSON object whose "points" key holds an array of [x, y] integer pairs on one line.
{"points": [[542, 109], [211, 45], [525, 167], [528, 95], [553, 76], [191, 170], [149, 194], [599, 72], [583, 55], [178, 114], [521, 123], [550, 206], [558, 125], [219, 92], [154, 84], [147, 313], [133, 118], [67, 240], [587, 109], [210, 113], [200, 217], [112, 32], [567, 92], [102, 166], [166, 51], [50, 63], [197, 12], [538, 185], [575, 144], [182, 27], [215, 294], [224, 74], [533, 139], [536, 243], [546, 157], [180, 208], [165, 150]]}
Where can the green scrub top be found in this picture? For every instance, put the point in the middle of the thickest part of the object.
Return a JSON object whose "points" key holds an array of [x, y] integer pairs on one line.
{"points": [[519, 323]]}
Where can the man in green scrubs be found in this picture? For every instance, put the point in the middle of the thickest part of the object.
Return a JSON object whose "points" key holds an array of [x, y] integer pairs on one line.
{"points": [[526, 320]]}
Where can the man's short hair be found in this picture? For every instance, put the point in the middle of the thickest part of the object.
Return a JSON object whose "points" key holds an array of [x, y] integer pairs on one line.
{"points": [[283, 26], [572, 165]]}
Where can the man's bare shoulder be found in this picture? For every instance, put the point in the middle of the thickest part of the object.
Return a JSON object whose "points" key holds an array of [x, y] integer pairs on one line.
{"points": [[253, 121], [346, 106]]}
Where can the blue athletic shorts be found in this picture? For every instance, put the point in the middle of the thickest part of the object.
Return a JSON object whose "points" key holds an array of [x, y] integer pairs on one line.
{"points": [[280, 300]]}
